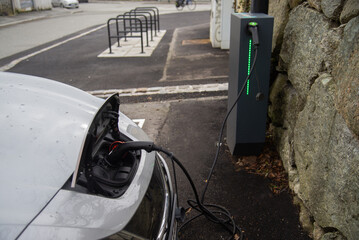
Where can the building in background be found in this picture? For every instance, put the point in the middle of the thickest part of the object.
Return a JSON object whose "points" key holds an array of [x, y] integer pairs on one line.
{"points": [[220, 23], [11, 7], [6, 8], [221, 20]]}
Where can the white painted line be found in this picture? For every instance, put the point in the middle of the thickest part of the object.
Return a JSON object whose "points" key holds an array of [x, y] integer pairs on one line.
{"points": [[212, 98], [139, 122], [17, 61], [132, 47], [211, 87], [169, 55]]}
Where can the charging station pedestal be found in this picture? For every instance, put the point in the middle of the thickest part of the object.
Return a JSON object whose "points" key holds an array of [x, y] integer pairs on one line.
{"points": [[246, 126]]}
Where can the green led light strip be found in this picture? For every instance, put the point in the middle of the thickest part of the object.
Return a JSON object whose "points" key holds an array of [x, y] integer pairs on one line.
{"points": [[249, 63]]}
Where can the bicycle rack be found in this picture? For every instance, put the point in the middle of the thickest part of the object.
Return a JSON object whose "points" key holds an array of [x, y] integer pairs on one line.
{"points": [[138, 20], [124, 32], [153, 17], [149, 23], [156, 14], [134, 25]]}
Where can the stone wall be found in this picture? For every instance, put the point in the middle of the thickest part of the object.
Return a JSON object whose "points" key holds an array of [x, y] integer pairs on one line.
{"points": [[314, 110]]}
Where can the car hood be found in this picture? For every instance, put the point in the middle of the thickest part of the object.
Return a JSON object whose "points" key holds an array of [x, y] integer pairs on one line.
{"points": [[44, 124]]}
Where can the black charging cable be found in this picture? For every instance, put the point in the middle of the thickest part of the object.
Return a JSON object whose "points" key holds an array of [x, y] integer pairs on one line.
{"points": [[224, 123], [253, 29], [215, 213]]}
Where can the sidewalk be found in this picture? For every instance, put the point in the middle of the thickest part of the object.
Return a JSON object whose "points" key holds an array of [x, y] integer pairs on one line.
{"points": [[93, 6], [6, 21]]}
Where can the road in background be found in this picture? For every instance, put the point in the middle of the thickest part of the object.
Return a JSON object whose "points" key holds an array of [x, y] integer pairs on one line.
{"points": [[28, 30], [179, 59]]}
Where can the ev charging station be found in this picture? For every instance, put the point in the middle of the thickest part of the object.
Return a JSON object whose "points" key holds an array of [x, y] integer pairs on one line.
{"points": [[250, 53]]}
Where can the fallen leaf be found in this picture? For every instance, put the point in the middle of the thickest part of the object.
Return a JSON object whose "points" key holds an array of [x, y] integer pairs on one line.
{"points": [[188, 210]]}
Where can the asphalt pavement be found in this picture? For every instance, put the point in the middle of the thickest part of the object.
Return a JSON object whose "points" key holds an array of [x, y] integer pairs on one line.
{"points": [[180, 92]]}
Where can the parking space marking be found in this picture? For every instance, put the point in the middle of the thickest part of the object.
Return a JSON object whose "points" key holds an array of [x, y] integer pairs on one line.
{"points": [[139, 122], [17, 61], [196, 42], [169, 55]]}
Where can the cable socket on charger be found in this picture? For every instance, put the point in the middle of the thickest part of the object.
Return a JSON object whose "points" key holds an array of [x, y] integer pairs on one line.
{"points": [[253, 29]]}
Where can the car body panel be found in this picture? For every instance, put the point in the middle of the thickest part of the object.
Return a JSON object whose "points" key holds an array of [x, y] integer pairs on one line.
{"points": [[37, 112], [72, 215]]}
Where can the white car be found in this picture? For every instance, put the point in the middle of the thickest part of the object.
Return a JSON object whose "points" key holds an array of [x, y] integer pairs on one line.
{"points": [[65, 3], [59, 178]]}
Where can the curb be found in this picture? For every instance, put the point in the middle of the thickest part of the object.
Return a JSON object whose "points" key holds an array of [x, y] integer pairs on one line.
{"points": [[10, 23], [132, 92], [21, 21]]}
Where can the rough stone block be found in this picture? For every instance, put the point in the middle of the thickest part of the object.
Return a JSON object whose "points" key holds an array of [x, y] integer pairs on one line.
{"points": [[294, 3], [326, 156], [350, 10], [306, 47], [346, 75], [315, 4], [276, 100], [285, 103], [318, 232], [279, 9], [333, 236], [332, 8]]}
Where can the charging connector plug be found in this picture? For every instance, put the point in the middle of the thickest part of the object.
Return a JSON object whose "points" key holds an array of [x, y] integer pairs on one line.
{"points": [[118, 153], [253, 29]]}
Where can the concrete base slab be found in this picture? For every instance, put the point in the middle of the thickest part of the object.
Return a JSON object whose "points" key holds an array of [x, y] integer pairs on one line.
{"points": [[132, 47]]}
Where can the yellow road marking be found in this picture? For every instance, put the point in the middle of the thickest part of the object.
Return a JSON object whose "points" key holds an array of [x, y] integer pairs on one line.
{"points": [[195, 42]]}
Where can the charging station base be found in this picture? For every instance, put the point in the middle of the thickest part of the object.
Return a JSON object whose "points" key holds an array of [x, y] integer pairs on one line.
{"points": [[246, 126], [247, 149]]}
